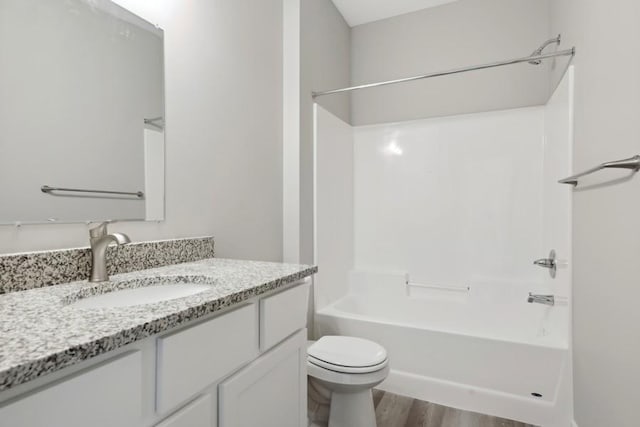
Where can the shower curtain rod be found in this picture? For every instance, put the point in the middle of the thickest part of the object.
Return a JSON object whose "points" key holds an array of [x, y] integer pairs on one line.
{"points": [[531, 58]]}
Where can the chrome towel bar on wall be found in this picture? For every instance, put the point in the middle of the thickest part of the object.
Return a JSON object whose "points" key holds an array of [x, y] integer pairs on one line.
{"points": [[632, 163], [49, 190]]}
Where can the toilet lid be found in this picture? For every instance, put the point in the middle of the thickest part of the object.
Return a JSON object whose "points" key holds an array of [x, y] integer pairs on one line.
{"points": [[347, 351]]}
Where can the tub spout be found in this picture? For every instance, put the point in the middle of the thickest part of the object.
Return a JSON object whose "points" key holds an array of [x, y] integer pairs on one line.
{"points": [[541, 299]]}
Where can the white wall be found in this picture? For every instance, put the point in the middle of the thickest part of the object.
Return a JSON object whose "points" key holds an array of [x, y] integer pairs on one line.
{"points": [[606, 241], [77, 81], [224, 131], [454, 35], [291, 124], [556, 198], [324, 62], [334, 199], [556, 221], [453, 200], [316, 56]]}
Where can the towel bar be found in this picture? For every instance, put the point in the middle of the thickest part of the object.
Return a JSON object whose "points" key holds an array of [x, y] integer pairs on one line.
{"points": [[440, 287], [632, 163], [49, 190]]}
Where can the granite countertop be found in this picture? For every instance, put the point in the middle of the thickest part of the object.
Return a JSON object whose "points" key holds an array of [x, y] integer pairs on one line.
{"points": [[42, 332]]}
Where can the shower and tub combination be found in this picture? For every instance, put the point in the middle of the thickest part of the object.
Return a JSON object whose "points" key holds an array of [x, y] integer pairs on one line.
{"points": [[434, 238]]}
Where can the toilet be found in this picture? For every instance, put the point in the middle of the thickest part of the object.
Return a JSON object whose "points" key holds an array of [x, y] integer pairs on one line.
{"points": [[349, 368]]}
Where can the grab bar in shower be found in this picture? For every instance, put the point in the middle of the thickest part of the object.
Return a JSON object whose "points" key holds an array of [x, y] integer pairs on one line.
{"points": [[50, 190], [632, 163], [440, 287]]}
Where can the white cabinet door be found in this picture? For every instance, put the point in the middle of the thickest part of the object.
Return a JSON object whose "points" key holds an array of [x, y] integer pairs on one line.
{"points": [[106, 395], [269, 392], [199, 413]]}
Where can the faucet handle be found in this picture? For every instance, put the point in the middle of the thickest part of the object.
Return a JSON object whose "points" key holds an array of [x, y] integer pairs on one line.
{"points": [[99, 231], [549, 263], [545, 262]]}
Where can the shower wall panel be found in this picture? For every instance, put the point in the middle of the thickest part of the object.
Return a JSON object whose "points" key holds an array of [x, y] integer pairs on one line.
{"points": [[453, 201]]}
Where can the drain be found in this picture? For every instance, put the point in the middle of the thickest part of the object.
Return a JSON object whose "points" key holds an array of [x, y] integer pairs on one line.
{"points": [[536, 395]]}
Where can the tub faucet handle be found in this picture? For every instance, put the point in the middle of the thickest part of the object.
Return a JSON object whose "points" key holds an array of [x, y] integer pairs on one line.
{"points": [[545, 262], [549, 263]]}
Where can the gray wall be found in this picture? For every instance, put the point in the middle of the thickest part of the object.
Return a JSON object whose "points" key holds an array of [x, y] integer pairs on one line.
{"points": [[454, 35], [606, 240], [224, 131], [324, 63]]}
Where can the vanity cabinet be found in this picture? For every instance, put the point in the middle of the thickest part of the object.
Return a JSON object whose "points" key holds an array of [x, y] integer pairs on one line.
{"points": [[106, 395], [242, 367]]}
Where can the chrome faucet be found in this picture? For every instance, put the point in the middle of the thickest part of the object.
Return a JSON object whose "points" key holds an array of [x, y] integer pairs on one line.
{"points": [[541, 299], [100, 240]]}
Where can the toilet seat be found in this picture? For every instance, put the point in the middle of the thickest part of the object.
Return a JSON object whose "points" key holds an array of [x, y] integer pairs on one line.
{"points": [[347, 355], [346, 369]]}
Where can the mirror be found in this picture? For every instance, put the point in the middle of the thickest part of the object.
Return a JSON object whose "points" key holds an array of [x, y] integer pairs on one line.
{"points": [[81, 113]]}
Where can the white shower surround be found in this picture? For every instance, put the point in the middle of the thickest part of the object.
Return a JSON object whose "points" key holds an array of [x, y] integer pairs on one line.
{"points": [[414, 191], [451, 200]]}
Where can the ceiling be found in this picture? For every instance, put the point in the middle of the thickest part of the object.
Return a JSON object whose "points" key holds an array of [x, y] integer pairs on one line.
{"points": [[358, 12]]}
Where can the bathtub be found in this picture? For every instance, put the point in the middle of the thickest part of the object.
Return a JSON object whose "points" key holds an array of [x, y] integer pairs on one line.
{"points": [[482, 348]]}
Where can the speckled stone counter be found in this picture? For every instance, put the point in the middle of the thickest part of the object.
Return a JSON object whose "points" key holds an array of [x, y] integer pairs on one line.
{"points": [[20, 272], [42, 332]]}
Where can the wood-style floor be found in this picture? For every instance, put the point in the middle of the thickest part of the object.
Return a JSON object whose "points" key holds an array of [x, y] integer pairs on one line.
{"points": [[399, 411]]}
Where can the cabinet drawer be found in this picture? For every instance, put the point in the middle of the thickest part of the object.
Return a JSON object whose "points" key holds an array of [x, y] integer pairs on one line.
{"points": [[283, 314], [104, 396], [199, 413], [193, 358]]}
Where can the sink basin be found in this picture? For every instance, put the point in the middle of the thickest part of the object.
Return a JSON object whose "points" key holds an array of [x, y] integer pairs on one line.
{"points": [[127, 294]]}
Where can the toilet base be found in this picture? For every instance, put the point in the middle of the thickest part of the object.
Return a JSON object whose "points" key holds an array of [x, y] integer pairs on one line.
{"points": [[353, 409]]}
